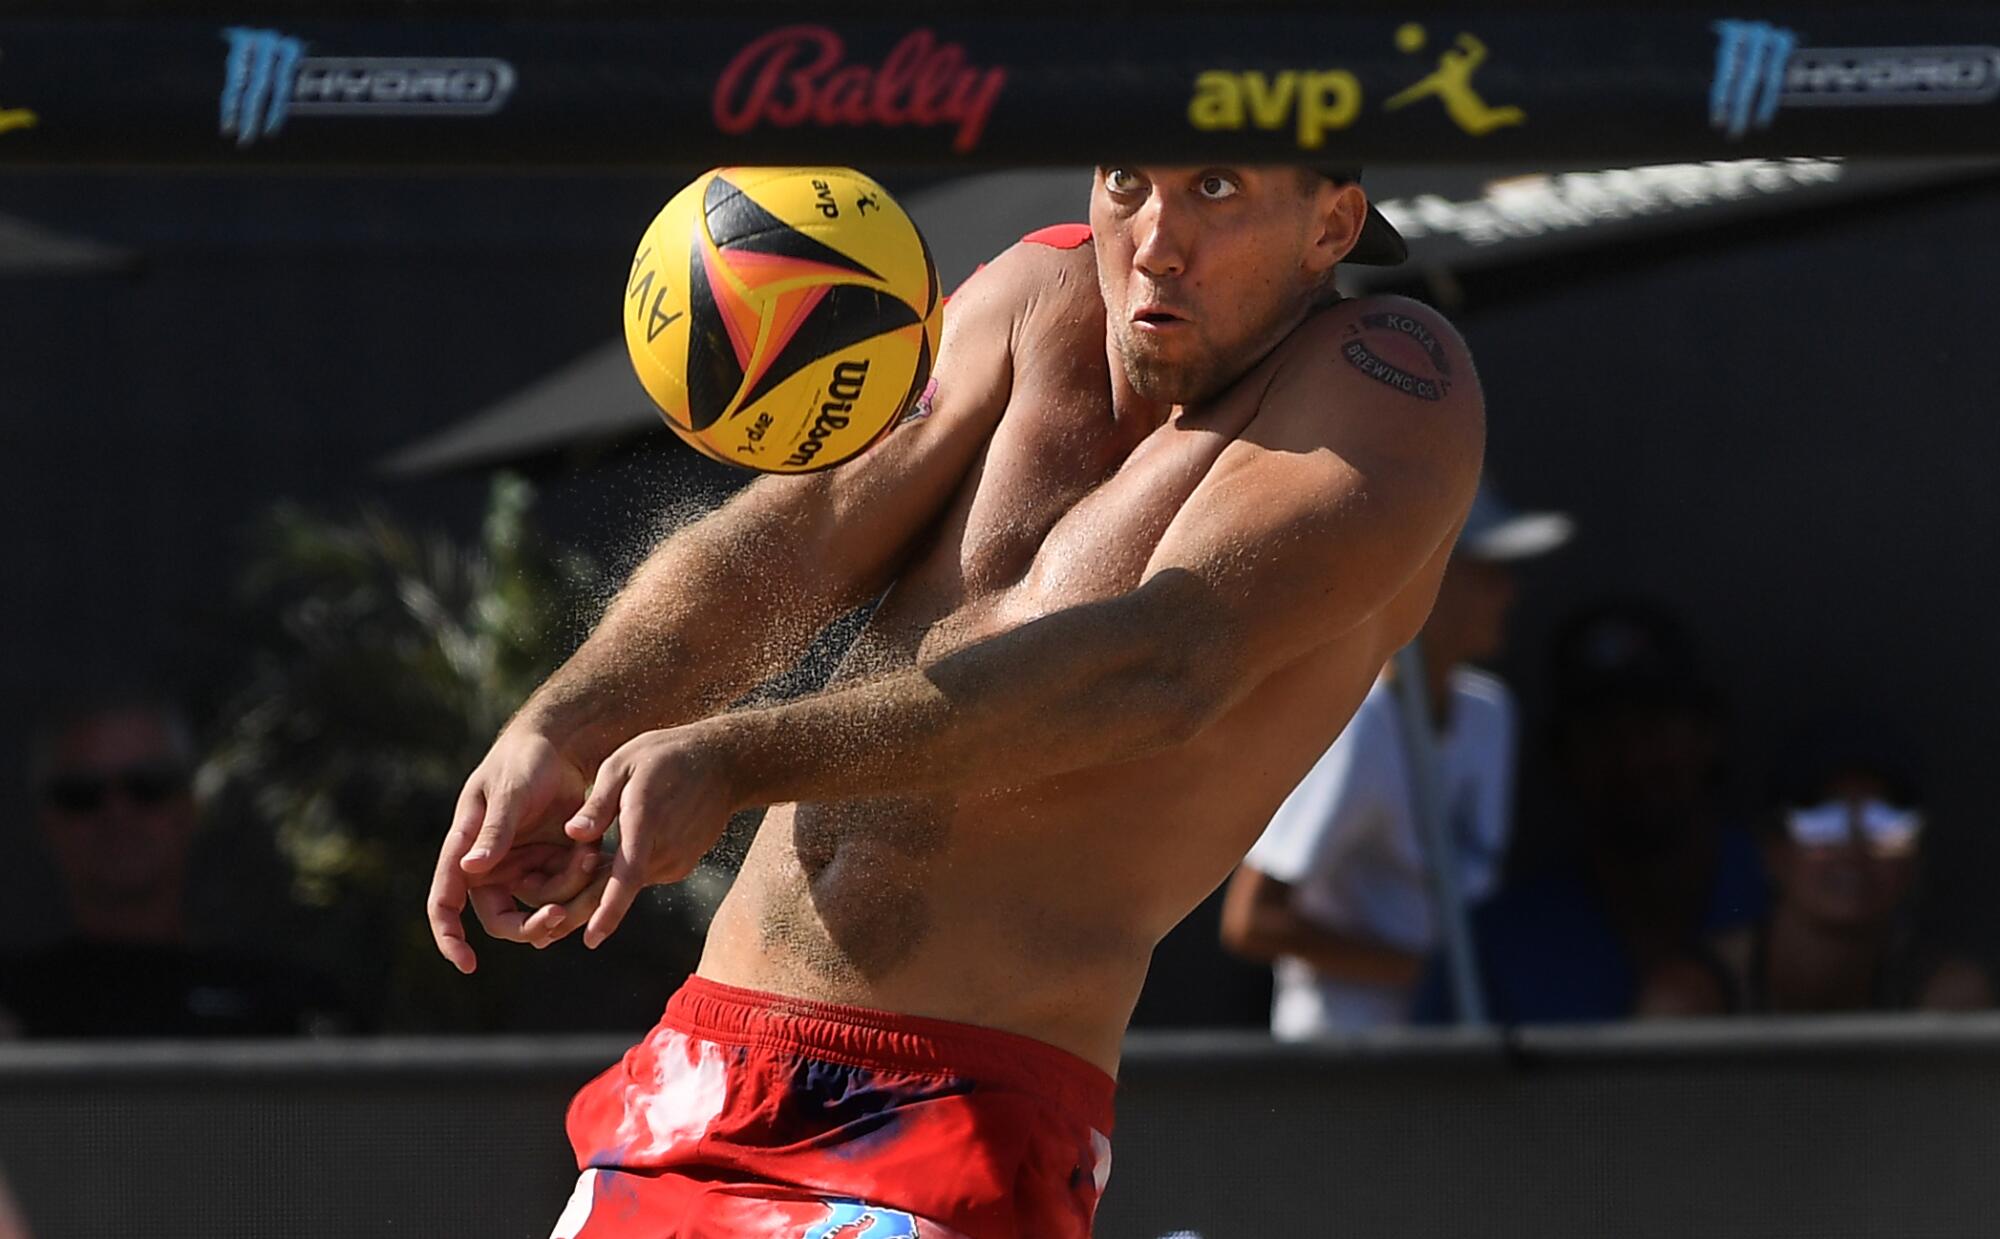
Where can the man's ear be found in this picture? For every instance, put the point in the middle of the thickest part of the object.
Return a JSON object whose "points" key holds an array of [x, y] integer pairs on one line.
{"points": [[1340, 211]]}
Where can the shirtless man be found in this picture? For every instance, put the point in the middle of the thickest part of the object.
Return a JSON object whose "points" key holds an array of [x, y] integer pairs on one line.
{"points": [[1172, 506]]}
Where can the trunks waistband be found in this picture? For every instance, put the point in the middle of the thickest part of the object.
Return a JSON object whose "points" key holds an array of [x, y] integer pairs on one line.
{"points": [[864, 1037]]}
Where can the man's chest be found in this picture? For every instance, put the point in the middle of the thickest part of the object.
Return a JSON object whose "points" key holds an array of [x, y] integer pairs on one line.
{"points": [[1067, 506]]}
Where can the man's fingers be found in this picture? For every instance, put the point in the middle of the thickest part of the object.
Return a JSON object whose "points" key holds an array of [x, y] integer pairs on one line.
{"points": [[556, 921], [503, 810], [628, 867], [497, 911], [620, 889], [600, 808], [579, 867], [575, 912], [445, 908]]}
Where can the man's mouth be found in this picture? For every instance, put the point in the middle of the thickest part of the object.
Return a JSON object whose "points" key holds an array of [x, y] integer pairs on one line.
{"points": [[1156, 316]]}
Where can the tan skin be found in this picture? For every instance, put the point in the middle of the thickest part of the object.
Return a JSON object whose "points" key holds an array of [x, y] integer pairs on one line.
{"points": [[1143, 559], [1259, 919]]}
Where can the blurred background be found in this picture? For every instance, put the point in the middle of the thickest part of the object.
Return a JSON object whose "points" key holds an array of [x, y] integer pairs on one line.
{"points": [[315, 474], [250, 417]]}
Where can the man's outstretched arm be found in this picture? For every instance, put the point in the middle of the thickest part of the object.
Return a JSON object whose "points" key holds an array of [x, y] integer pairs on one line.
{"points": [[1340, 492], [1261, 923], [721, 606]]}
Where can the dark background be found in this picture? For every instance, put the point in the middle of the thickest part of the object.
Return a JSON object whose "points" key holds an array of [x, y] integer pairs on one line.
{"points": [[1785, 433]]}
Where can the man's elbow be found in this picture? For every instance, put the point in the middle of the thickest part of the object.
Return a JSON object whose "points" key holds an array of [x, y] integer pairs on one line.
{"points": [[1248, 903], [1242, 940]]}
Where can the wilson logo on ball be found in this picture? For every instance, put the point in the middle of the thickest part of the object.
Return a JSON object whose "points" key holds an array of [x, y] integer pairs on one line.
{"points": [[850, 378], [761, 306]]}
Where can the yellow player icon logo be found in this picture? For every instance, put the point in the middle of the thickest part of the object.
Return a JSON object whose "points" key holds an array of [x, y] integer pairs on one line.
{"points": [[16, 118], [1451, 82]]}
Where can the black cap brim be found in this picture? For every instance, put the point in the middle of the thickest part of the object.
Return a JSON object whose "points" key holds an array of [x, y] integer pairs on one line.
{"points": [[1379, 245]]}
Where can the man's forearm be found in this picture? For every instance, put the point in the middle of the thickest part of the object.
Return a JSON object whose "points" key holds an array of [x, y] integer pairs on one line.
{"points": [[1341, 956], [711, 613], [1083, 687]]}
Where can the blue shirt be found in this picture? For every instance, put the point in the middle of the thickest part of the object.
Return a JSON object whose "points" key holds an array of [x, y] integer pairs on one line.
{"points": [[1549, 952]]}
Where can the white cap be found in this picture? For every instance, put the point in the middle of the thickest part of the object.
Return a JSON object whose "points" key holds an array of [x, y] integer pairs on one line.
{"points": [[1495, 532]]}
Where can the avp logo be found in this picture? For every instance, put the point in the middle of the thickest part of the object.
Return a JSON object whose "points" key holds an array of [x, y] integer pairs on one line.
{"points": [[853, 1220], [1760, 68], [17, 118], [268, 77], [1314, 101]]}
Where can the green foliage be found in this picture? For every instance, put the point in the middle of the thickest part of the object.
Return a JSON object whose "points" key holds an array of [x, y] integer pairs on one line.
{"points": [[384, 665], [389, 662]]}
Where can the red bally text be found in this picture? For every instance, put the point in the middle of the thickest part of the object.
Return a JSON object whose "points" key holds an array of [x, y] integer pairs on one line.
{"points": [[794, 76]]}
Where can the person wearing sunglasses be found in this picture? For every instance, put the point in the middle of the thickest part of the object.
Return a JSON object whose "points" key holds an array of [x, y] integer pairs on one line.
{"points": [[1844, 851], [116, 810]]}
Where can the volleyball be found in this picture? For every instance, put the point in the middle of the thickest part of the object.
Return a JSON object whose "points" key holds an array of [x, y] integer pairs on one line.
{"points": [[783, 319]]}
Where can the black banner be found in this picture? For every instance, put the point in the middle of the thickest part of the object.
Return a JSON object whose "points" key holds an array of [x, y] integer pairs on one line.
{"points": [[1546, 87]]}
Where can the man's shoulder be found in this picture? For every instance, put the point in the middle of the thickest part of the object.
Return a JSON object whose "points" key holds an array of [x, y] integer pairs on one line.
{"points": [[1387, 364], [1052, 257], [1034, 298], [1401, 335]]}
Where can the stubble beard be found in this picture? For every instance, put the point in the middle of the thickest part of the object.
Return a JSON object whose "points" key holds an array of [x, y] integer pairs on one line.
{"points": [[1188, 380], [1207, 371]]}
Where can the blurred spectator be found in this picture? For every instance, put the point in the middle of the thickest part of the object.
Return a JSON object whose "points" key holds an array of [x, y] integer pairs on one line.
{"points": [[1653, 868], [1336, 891], [115, 807], [1844, 852]]}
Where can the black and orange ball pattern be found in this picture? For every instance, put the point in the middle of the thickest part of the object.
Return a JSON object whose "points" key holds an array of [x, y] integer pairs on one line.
{"points": [[783, 319]]}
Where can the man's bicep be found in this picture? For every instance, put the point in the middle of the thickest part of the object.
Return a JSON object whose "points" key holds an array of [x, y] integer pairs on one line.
{"points": [[1284, 553], [1340, 492]]}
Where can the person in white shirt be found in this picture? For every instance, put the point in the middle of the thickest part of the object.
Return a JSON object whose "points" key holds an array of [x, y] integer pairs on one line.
{"points": [[1335, 893]]}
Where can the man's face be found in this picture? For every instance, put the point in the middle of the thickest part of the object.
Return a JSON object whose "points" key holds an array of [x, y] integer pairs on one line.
{"points": [[1848, 883], [116, 809], [1204, 270]]}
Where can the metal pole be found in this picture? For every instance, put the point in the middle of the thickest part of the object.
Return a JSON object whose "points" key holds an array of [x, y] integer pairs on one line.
{"points": [[1427, 802]]}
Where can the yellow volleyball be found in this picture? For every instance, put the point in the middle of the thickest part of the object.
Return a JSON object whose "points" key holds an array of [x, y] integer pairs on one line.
{"points": [[783, 319]]}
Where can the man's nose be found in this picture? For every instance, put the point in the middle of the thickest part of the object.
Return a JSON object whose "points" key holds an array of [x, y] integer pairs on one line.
{"points": [[1161, 249]]}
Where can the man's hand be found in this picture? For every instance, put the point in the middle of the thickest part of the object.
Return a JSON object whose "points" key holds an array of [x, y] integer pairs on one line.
{"points": [[667, 794], [506, 842]]}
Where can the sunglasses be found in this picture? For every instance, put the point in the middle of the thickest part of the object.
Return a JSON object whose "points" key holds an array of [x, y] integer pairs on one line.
{"points": [[145, 786], [1889, 830]]}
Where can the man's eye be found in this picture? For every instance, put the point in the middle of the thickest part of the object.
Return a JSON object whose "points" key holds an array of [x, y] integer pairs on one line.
{"points": [[1217, 187], [1119, 181]]}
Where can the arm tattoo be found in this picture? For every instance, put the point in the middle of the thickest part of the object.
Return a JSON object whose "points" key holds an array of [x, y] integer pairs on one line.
{"points": [[920, 408], [1435, 384]]}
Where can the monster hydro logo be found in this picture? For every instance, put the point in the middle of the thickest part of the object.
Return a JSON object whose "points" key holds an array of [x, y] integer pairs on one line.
{"points": [[850, 1219], [268, 78], [1761, 68]]}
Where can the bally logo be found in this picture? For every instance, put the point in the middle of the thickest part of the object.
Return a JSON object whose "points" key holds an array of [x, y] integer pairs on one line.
{"points": [[796, 76]]}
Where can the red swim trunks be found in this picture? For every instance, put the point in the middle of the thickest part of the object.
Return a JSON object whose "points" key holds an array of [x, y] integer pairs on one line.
{"points": [[747, 1115]]}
